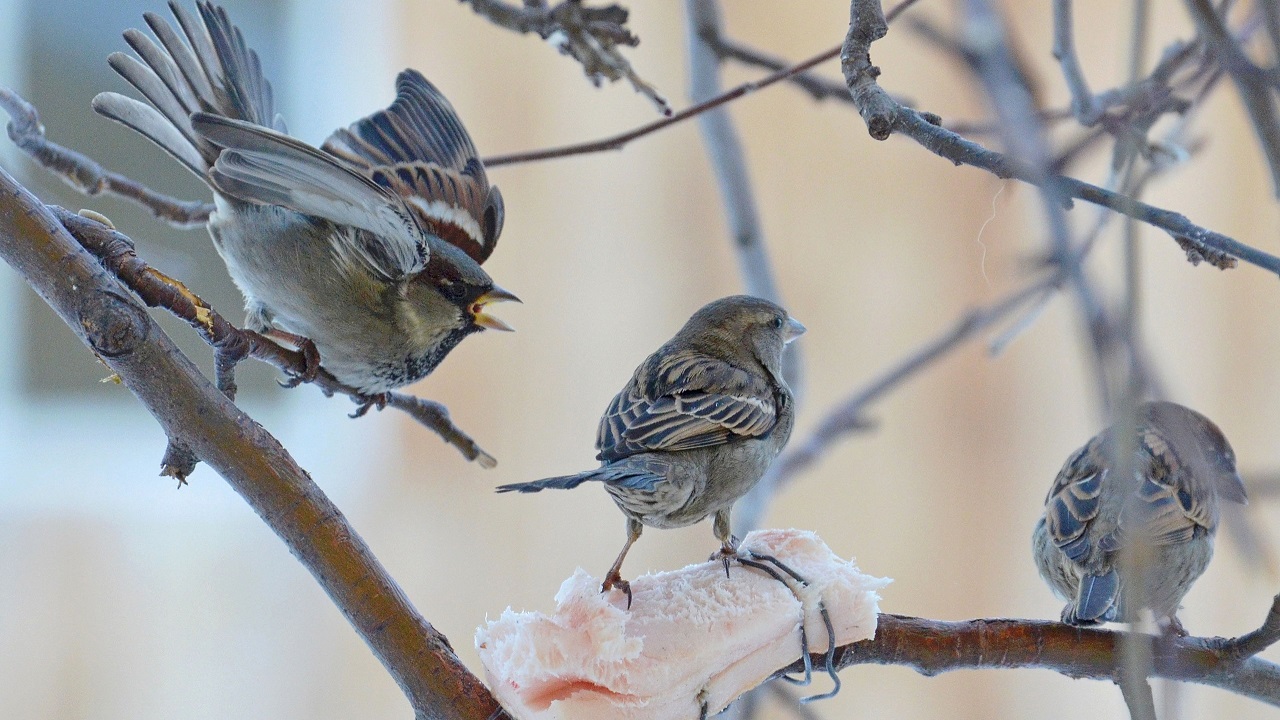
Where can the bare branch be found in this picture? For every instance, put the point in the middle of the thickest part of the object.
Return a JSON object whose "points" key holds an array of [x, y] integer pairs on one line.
{"points": [[884, 116], [1251, 81], [931, 647], [1064, 49], [849, 415], [617, 142], [191, 410], [592, 36], [87, 176]]}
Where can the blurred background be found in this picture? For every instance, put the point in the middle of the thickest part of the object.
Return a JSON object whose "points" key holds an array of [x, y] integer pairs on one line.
{"points": [[123, 597]]}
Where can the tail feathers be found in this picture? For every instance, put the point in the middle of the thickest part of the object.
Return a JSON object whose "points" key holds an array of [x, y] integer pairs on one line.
{"points": [[205, 68], [620, 475], [1097, 599], [563, 482]]}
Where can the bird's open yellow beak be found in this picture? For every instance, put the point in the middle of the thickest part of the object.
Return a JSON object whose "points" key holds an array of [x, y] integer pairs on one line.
{"points": [[485, 320]]}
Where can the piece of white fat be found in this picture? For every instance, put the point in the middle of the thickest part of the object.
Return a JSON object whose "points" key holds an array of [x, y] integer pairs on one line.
{"points": [[690, 635]]}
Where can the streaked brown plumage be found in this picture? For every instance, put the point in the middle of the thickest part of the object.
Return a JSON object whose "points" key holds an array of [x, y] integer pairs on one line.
{"points": [[369, 248], [1183, 467], [697, 425]]}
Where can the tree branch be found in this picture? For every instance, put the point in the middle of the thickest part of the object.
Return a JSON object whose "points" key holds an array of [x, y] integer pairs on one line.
{"points": [[190, 409], [724, 149], [1251, 81], [931, 647], [850, 415], [590, 35], [617, 142], [884, 116], [87, 176]]}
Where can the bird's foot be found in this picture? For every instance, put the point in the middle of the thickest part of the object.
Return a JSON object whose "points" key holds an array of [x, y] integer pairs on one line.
{"points": [[369, 402], [614, 580], [727, 553], [1172, 628], [227, 353], [780, 571], [310, 357]]}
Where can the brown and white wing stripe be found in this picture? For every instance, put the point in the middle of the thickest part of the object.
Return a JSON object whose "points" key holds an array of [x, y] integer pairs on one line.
{"points": [[685, 402], [418, 149]]}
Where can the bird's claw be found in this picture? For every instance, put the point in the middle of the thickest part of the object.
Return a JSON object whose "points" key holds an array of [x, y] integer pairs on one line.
{"points": [[378, 401], [614, 580], [310, 364]]}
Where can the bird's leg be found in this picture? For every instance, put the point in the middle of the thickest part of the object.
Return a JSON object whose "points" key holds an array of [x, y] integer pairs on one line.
{"points": [[310, 355], [728, 543], [614, 578], [780, 571], [1172, 627], [227, 353]]}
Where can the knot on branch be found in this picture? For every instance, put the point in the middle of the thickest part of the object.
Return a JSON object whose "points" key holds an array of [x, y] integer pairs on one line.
{"points": [[113, 324], [1198, 252]]}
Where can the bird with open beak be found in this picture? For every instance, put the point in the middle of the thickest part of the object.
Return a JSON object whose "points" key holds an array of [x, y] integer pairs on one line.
{"points": [[697, 426], [364, 253]]}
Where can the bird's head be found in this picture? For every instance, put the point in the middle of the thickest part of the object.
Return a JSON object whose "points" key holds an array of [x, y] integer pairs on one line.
{"points": [[458, 285], [1199, 443], [742, 324]]}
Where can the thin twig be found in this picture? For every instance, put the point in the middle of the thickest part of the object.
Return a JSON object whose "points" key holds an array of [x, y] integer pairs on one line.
{"points": [[849, 415], [1064, 50], [617, 142], [87, 176], [1251, 81], [818, 87]]}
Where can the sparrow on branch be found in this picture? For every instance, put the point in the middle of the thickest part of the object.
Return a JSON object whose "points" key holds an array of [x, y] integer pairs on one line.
{"points": [[1111, 543], [364, 253], [697, 426]]}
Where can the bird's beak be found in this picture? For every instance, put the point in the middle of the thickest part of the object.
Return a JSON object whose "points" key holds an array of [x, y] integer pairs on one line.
{"points": [[485, 320], [792, 331]]}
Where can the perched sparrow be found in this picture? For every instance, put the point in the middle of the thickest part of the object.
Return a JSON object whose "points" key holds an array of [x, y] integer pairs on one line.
{"points": [[1182, 467], [698, 424], [367, 250]]}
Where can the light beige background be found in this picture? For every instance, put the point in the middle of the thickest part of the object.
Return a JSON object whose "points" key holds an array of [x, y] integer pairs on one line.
{"points": [[121, 598]]}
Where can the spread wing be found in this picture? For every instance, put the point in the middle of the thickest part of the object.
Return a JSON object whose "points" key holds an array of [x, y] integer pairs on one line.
{"points": [[259, 165], [418, 149], [685, 401]]}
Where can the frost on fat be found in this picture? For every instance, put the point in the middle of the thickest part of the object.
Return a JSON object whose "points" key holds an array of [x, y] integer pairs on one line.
{"points": [[690, 634]]}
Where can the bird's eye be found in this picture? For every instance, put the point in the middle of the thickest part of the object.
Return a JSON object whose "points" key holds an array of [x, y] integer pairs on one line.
{"points": [[451, 290], [777, 323]]}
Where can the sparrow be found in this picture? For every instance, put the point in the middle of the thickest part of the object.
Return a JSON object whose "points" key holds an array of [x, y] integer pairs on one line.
{"points": [[697, 425], [365, 253], [1182, 468]]}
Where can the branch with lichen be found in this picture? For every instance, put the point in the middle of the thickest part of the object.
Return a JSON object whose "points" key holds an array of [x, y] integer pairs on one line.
{"points": [[593, 36]]}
